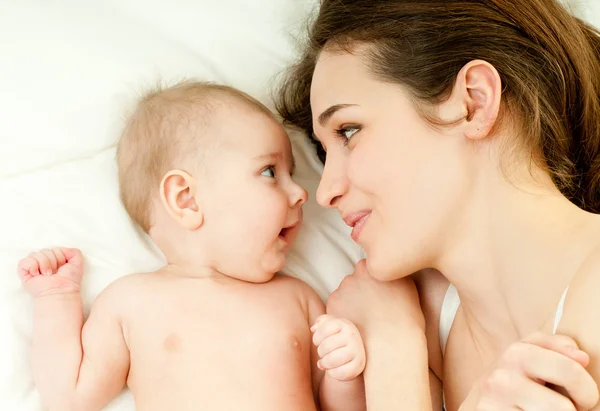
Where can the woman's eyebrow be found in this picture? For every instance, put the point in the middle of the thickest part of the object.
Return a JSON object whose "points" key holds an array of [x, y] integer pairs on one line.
{"points": [[326, 115]]}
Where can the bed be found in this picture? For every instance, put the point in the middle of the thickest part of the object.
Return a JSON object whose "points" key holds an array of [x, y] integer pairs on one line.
{"points": [[69, 70]]}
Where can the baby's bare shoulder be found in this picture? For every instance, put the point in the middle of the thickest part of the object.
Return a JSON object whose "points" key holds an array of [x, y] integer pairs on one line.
{"points": [[136, 280], [298, 288], [125, 291], [292, 284]]}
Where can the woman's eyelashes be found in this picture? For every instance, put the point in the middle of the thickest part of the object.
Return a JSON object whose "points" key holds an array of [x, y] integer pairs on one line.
{"points": [[347, 132]]}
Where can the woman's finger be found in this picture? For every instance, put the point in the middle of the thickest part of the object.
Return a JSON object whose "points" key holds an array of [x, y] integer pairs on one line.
{"points": [[508, 389], [560, 343], [531, 396], [555, 368]]}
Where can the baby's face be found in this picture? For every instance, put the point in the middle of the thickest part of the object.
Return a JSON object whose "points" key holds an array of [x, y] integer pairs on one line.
{"points": [[252, 207]]}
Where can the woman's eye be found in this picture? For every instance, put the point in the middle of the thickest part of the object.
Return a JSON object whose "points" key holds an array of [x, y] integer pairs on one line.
{"points": [[347, 132], [268, 172]]}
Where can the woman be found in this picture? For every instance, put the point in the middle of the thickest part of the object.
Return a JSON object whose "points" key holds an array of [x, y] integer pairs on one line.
{"points": [[462, 136]]}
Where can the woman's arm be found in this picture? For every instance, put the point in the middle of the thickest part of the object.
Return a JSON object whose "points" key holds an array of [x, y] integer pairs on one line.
{"points": [[391, 323], [397, 375]]}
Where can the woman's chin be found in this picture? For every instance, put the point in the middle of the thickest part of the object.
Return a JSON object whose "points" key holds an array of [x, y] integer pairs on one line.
{"points": [[385, 269]]}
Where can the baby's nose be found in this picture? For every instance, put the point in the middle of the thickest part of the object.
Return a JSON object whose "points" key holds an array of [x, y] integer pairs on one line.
{"points": [[298, 197]]}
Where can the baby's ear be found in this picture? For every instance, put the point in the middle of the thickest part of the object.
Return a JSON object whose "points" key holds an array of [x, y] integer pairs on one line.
{"points": [[177, 193]]}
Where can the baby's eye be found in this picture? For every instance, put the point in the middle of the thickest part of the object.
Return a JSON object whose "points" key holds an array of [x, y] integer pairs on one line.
{"points": [[268, 172]]}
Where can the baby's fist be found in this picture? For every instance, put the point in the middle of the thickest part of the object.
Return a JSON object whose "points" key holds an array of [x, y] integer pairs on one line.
{"points": [[340, 347], [52, 271]]}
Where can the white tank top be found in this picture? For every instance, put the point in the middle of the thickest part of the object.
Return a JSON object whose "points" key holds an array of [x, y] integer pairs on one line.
{"points": [[450, 308], [452, 302]]}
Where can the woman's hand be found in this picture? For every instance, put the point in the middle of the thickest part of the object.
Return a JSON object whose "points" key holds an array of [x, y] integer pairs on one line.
{"points": [[532, 374], [373, 305]]}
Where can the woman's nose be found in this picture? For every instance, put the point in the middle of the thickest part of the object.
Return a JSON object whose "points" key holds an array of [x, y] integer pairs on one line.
{"points": [[334, 183]]}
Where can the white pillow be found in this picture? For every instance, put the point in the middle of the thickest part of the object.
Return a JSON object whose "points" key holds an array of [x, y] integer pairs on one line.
{"points": [[69, 69], [585, 9]]}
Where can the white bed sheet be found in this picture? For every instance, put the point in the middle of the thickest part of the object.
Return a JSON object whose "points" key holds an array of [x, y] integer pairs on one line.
{"points": [[69, 69]]}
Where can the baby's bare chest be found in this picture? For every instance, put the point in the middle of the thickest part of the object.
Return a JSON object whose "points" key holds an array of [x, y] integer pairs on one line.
{"points": [[234, 329], [220, 346]]}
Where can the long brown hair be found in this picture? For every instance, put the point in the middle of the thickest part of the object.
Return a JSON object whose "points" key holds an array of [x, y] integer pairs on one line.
{"points": [[548, 60]]}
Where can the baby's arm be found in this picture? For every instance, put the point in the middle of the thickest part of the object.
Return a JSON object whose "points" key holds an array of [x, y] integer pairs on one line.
{"points": [[338, 360], [76, 366]]}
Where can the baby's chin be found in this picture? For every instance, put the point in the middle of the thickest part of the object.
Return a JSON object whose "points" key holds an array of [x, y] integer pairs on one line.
{"points": [[271, 265]]}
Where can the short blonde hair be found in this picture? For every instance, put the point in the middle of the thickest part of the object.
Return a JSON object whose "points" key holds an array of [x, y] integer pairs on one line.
{"points": [[160, 134]]}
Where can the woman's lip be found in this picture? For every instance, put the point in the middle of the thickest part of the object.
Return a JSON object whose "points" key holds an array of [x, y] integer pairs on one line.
{"points": [[358, 226], [353, 217]]}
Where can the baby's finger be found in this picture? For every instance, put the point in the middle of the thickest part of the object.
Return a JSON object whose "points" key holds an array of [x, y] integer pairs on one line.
{"points": [[44, 263], [327, 329], [28, 267], [346, 372], [26, 264], [332, 343], [320, 320], [52, 258], [73, 257], [33, 265], [336, 358], [60, 257]]}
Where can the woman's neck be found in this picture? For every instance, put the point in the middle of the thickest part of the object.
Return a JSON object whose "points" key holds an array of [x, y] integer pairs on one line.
{"points": [[516, 249]]}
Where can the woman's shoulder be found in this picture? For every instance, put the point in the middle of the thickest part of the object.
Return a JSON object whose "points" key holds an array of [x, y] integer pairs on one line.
{"points": [[581, 315], [586, 282]]}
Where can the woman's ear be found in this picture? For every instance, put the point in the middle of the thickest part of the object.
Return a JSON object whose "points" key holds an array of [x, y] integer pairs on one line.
{"points": [[477, 91], [178, 196]]}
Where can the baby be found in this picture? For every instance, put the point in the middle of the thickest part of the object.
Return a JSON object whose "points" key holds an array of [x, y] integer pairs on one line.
{"points": [[206, 170]]}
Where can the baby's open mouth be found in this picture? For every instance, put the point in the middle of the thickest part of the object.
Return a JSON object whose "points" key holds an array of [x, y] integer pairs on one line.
{"points": [[284, 232]]}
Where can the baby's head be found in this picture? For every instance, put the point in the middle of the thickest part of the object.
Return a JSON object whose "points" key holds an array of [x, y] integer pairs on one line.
{"points": [[206, 171]]}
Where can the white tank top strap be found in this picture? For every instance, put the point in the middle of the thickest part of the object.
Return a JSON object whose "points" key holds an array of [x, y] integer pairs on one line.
{"points": [[447, 314], [559, 311]]}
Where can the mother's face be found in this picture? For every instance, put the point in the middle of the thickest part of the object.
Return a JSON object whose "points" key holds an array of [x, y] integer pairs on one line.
{"points": [[393, 177]]}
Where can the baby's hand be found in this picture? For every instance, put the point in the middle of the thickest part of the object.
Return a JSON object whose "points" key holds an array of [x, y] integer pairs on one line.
{"points": [[52, 271], [340, 347]]}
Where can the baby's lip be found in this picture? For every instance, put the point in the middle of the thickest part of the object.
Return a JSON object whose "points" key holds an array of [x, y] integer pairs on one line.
{"points": [[295, 224], [285, 230]]}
